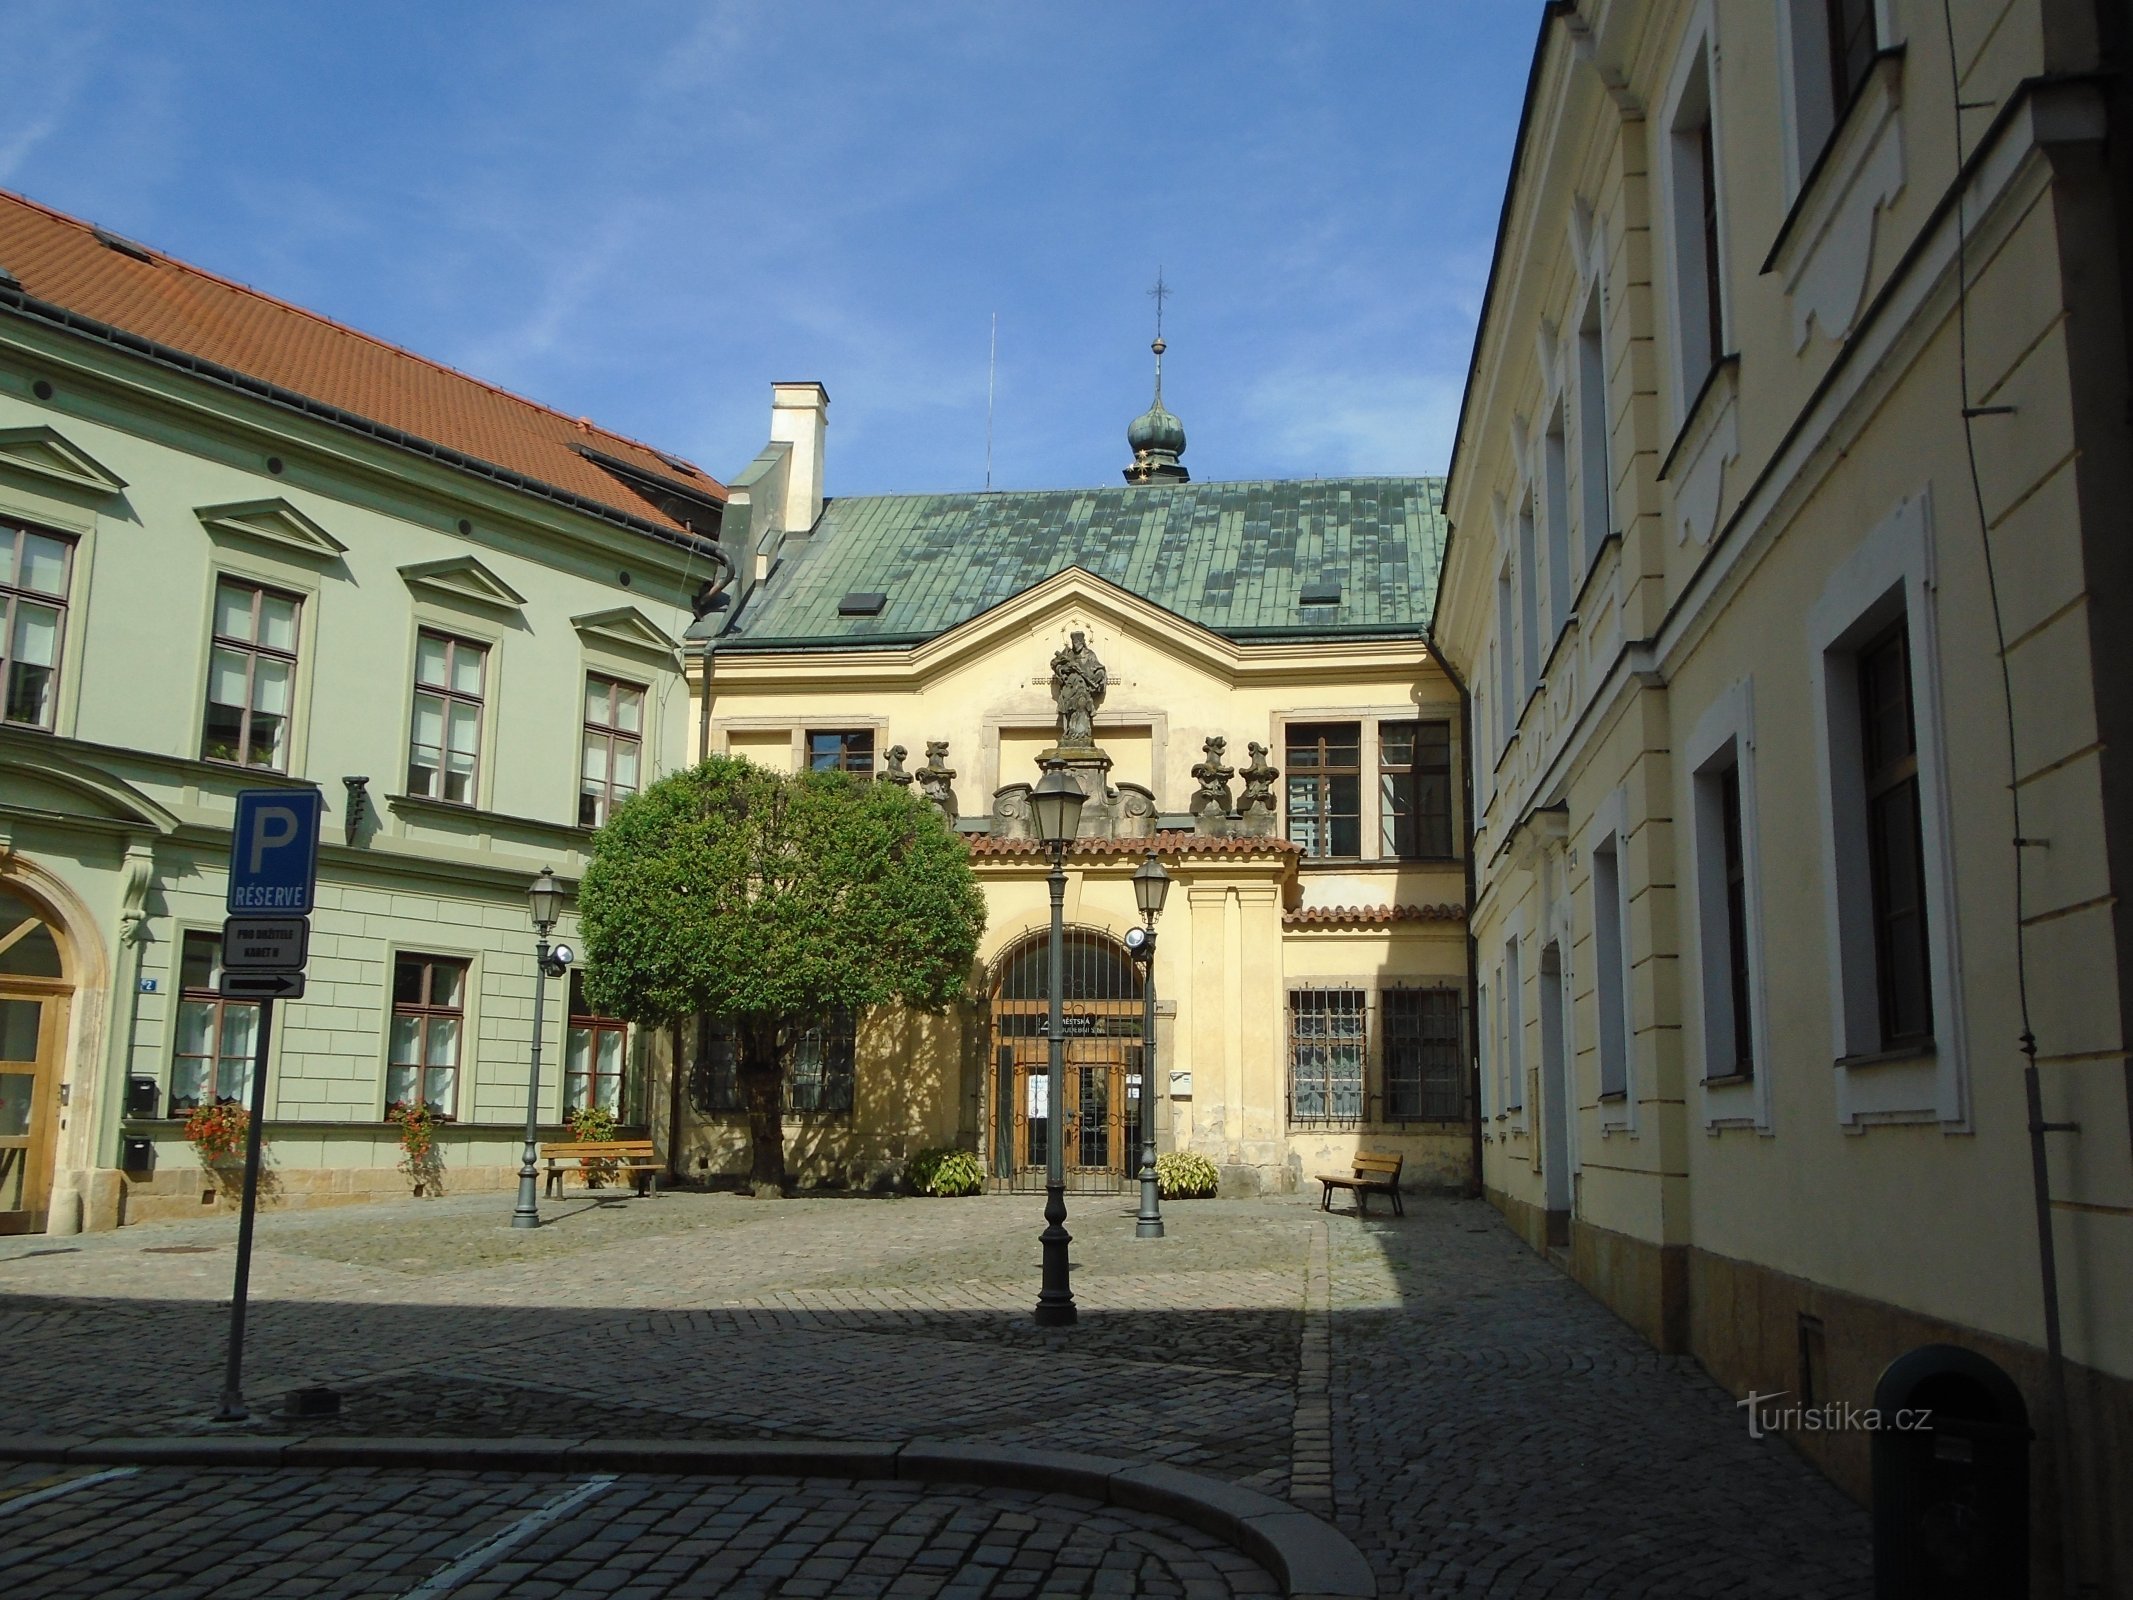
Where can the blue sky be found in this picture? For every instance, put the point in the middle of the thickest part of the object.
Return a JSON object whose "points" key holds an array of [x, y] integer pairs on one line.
{"points": [[647, 212]]}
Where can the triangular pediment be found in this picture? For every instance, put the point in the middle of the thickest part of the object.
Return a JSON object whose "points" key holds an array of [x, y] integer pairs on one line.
{"points": [[275, 522], [44, 781], [627, 628], [42, 452], [462, 579]]}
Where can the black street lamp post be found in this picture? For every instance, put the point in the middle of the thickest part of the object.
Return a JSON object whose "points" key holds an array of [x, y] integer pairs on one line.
{"points": [[545, 897], [1055, 806], [1150, 887]]}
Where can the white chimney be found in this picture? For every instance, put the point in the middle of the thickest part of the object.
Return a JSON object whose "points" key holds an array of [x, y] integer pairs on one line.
{"points": [[799, 415]]}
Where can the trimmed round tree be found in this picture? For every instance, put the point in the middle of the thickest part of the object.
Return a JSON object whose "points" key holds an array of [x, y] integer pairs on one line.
{"points": [[768, 900]]}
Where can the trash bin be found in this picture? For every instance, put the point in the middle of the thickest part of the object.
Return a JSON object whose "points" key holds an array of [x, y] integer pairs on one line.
{"points": [[1951, 1479]]}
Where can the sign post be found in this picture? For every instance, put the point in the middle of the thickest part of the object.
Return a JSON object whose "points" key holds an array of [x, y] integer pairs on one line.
{"points": [[273, 869]]}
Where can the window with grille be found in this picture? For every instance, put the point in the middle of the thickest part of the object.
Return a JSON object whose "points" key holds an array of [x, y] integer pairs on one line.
{"points": [[818, 1070], [429, 1017], [446, 746], [818, 1067], [1425, 1074], [212, 1060], [1329, 1038], [33, 614], [251, 676], [841, 750], [1325, 787], [613, 750], [596, 1065], [715, 1078], [1415, 789]]}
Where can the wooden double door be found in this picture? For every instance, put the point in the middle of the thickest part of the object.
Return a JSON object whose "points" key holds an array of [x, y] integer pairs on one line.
{"points": [[1102, 1084]]}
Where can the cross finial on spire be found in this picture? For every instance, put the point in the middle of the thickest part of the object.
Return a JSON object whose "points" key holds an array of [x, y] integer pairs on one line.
{"points": [[1159, 294]]}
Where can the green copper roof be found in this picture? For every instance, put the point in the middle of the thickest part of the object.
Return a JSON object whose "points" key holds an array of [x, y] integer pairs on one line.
{"points": [[1233, 557]]}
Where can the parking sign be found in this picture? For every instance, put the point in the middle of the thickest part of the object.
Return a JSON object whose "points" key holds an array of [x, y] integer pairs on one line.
{"points": [[274, 850]]}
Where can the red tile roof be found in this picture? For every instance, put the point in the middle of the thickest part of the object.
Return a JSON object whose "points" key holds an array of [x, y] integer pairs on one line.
{"points": [[1369, 916], [1163, 844], [67, 263]]}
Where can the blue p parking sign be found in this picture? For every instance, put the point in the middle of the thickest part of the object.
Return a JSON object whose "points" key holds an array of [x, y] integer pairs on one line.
{"points": [[274, 850]]}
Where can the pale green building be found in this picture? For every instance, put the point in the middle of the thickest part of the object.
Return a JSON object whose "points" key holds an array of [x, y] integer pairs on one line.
{"points": [[243, 546]]}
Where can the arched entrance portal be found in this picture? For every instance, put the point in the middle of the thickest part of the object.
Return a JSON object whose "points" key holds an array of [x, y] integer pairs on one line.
{"points": [[34, 995], [1100, 1015]]}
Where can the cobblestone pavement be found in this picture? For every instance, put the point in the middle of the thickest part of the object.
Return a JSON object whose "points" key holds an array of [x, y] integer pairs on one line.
{"points": [[296, 1535], [1471, 1419]]}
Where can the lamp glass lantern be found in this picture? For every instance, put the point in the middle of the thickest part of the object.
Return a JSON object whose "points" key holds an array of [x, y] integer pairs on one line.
{"points": [[1055, 806], [545, 896], [1151, 886]]}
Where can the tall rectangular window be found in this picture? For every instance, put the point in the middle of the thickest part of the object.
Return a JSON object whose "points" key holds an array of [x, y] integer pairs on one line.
{"points": [[429, 1019], [1594, 507], [819, 1073], [1514, 1031], [1425, 1077], [33, 612], [1736, 869], [596, 1058], [1415, 789], [841, 750], [1328, 1040], [1895, 838], [251, 676], [1325, 787], [212, 1060], [1529, 640], [1505, 651], [1609, 915], [1698, 278], [1851, 49], [1555, 486], [445, 749], [612, 763]]}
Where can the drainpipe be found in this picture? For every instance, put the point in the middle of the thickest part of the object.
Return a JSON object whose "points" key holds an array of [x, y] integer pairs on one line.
{"points": [[1473, 953]]}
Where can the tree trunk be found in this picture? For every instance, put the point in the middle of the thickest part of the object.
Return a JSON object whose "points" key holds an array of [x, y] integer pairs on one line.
{"points": [[677, 1103], [763, 1086]]}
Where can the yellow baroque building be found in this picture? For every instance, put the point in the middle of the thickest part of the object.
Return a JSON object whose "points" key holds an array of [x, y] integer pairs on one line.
{"points": [[1268, 722], [1788, 509]]}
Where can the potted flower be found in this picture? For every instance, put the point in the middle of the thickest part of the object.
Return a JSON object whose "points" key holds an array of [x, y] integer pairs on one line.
{"points": [[594, 1125], [420, 1158], [216, 1131]]}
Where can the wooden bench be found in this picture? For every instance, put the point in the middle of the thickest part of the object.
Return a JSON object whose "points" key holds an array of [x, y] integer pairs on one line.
{"points": [[1372, 1175], [633, 1156]]}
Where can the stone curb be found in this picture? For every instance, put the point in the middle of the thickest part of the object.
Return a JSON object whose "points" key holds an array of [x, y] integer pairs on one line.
{"points": [[1313, 1559]]}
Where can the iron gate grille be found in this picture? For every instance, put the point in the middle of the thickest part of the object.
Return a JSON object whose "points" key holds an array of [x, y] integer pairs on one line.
{"points": [[1329, 1037]]}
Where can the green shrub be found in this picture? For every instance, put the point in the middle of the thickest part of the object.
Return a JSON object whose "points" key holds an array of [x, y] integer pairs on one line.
{"points": [[945, 1170], [1185, 1175]]}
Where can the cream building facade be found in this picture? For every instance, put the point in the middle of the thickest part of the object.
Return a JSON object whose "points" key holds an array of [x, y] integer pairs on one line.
{"points": [[244, 547], [1311, 969], [1798, 408]]}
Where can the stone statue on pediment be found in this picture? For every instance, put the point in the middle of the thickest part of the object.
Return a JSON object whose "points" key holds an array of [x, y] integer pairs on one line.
{"points": [[1212, 798], [1255, 808], [936, 781], [894, 772], [1078, 683]]}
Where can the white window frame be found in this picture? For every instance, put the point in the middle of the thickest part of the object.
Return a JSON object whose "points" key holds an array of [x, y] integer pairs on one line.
{"points": [[1810, 112], [1683, 249], [1555, 507], [1485, 1046], [1514, 1051], [1892, 570], [1724, 736], [1608, 836]]}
